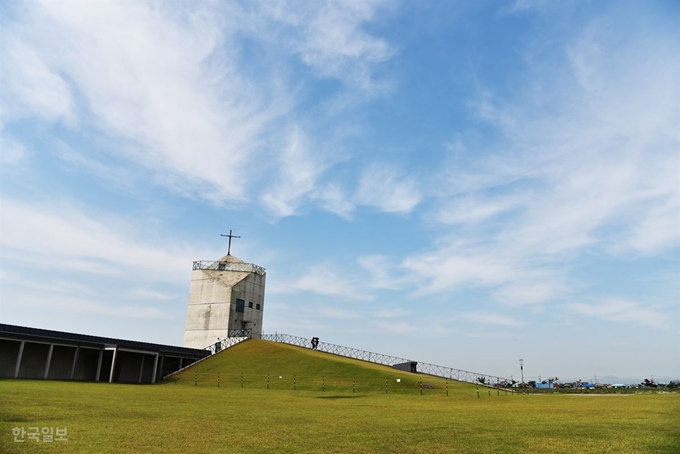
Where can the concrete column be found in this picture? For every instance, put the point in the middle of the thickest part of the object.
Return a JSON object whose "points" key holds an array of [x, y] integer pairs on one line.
{"points": [[99, 365], [141, 369], [162, 363], [19, 356], [155, 369], [113, 364], [75, 361], [49, 360]]}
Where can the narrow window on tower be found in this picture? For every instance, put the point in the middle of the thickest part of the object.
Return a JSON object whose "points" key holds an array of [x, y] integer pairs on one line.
{"points": [[240, 304], [257, 306], [250, 304]]}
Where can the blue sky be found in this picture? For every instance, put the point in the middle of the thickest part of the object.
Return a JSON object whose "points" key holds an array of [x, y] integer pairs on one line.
{"points": [[461, 183]]}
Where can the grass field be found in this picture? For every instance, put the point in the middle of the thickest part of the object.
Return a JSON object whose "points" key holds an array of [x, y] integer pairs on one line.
{"points": [[184, 418]]}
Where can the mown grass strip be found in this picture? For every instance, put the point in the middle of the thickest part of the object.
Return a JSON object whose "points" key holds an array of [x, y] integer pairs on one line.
{"points": [[183, 418]]}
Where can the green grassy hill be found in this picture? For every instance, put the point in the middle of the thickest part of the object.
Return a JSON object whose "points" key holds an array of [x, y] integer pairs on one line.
{"points": [[182, 418], [286, 366]]}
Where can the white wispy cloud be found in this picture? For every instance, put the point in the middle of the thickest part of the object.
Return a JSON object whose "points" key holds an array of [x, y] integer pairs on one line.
{"points": [[173, 88], [30, 86], [334, 198], [520, 6], [388, 189], [323, 279], [489, 318], [141, 77], [335, 313], [329, 37], [299, 170], [46, 285], [150, 294], [448, 269], [660, 229], [381, 272], [588, 165], [61, 235], [74, 304], [375, 273], [390, 313], [530, 290], [474, 208], [622, 310], [11, 151], [396, 327]]}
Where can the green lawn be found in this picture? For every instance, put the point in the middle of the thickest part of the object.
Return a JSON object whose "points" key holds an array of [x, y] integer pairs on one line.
{"points": [[183, 418]]}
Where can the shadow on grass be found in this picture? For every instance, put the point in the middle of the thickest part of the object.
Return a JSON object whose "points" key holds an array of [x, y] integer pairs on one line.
{"points": [[339, 397], [17, 419]]}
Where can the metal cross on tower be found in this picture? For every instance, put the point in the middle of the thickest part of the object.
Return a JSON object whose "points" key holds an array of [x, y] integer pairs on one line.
{"points": [[230, 236]]}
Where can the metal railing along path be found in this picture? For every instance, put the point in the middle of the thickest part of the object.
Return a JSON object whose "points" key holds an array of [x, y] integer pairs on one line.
{"points": [[238, 336], [234, 336], [388, 360], [229, 266]]}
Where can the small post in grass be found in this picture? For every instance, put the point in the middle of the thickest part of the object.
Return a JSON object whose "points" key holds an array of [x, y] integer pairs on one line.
{"points": [[294, 383], [420, 384], [241, 379], [195, 378], [218, 379], [354, 385], [477, 390], [447, 387], [267, 381], [323, 383], [385, 386]]}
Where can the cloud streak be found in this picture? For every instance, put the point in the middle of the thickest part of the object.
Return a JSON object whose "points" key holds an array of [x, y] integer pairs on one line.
{"points": [[322, 279], [44, 237], [178, 95], [621, 310], [588, 166]]}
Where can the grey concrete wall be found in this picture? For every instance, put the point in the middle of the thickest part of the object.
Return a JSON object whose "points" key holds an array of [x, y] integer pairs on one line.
{"points": [[147, 374], [61, 362], [106, 366], [33, 360], [127, 367], [86, 367], [210, 301], [250, 290], [8, 357]]}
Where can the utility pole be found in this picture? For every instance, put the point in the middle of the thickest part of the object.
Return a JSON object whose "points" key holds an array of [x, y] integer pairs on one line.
{"points": [[521, 367]]}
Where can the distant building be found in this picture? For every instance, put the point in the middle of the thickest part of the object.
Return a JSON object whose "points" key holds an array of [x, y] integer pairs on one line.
{"points": [[545, 384], [226, 297]]}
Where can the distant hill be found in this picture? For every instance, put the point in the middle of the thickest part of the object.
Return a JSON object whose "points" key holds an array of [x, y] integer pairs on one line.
{"points": [[287, 366], [610, 379]]}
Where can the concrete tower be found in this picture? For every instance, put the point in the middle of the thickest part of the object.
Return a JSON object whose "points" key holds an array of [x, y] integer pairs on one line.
{"points": [[225, 296]]}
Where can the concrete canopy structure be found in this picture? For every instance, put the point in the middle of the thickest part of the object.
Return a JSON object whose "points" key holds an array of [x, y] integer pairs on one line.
{"points": [[226, 298], [45, 354]]}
